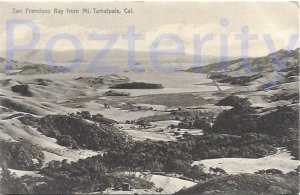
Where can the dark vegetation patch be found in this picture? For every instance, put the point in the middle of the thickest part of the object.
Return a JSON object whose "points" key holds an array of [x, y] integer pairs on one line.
{"points": [[69, 178], [30, 120], [97, 118], [68, 141], [234, 101], [91, 80], [210, 146], [270, 172], [88, 175], [137, 85], [10, 184], [241, 80], [236, 121], [294, 97], [20, 155], [32, 69], [190, 119], [281, 123], [75, 131], [103, 80], [247, 184], [43, 82], [243, 118], [203, 121], [176, 157], [21, 89]]}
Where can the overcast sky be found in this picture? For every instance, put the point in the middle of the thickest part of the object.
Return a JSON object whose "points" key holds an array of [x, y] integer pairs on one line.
{"points": [[280, 20]]}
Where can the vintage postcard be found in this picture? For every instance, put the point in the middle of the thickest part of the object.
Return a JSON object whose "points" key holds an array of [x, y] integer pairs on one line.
{"points": [[153, 97]]}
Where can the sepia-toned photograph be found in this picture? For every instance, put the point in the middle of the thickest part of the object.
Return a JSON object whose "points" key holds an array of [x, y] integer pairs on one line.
{"points": [[149, 97]]}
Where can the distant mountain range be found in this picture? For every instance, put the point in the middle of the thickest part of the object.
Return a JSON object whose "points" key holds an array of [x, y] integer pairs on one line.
{"points": [[113, 56], [257, 64], [210, 64]]}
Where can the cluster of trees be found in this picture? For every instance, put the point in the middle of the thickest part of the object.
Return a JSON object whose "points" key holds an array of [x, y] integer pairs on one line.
{"points": [[68, 141], [236, 121], [247, 184], [242, 118], [147, 155], [97, 118], [281, 124], [20, 155], [270, 172], [82, 130], [193, 119], [10, 184], [196, 122], [211, 146], [235, 101], [137, 85], [176, 157], [84, 176], [95, 136], [285, 96]]}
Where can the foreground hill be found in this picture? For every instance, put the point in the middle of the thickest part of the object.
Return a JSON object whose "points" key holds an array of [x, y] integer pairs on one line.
{"points": [[247, 184]]}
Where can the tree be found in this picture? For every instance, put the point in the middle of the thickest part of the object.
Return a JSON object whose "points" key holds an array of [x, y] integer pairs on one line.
{"points": [[9, 184]]}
